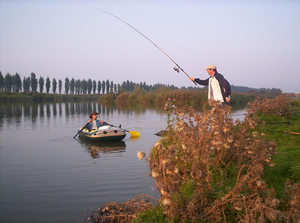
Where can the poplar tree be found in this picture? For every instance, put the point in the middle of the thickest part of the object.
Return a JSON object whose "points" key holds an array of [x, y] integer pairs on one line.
{"points": [[77, 86], [99, 87], [54, 85], [89, 86], [72, 86], [41, 84], [8, 82], [94, 87], [59, 85], [1, 82], [107, 86], [67, 85], [26, 84], [48, 83], [111, 87], [83, 86], [33, 82], [17, 83], [103, 87]]}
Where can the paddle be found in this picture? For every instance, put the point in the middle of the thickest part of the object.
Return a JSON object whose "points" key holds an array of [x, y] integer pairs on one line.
{"points": [[133, 133], [81, 129]]}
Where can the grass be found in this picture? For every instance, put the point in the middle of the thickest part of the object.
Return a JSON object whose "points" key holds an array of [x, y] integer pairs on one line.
{"points": [[152, 215], [287, 159]]}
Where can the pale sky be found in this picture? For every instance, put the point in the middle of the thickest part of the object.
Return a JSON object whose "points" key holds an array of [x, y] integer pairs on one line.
{"points": [[253, 43]]}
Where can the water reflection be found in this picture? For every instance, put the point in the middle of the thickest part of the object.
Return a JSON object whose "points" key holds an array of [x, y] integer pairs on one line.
{"points": [[95, 149], [60, 110], [12, 111], [15, 113], [26, 109], [41, 110], [44, 168], [54, 110], [48, 110]]}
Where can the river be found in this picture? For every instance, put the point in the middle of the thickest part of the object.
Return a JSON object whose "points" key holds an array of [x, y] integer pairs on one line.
{"points": [[48, 176]]}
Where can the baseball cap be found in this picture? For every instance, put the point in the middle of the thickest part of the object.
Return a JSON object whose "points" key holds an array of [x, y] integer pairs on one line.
{"points": [[93, 113], [211, 66]]}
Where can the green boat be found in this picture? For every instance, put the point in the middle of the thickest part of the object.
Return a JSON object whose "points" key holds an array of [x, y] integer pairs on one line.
{"points": [[103, 134]]}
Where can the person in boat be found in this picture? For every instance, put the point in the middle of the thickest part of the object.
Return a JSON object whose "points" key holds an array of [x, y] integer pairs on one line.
{"points": [[218, 87], [94, 123]]}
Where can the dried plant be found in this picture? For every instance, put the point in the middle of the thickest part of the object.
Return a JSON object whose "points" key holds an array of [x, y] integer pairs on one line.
{"points": [[278, 104], [293, 211], [210, 168], [123, 212]]}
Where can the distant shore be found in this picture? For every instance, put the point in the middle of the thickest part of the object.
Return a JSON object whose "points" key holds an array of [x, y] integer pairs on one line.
{"points": [[185, 96]]}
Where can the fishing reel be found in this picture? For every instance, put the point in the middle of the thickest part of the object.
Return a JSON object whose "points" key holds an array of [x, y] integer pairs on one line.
{"points": [[176, 69]]}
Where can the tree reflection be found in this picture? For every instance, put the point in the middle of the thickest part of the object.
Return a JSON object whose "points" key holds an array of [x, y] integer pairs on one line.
{"points": [[54, 110], [42, 113], [15, 113]]}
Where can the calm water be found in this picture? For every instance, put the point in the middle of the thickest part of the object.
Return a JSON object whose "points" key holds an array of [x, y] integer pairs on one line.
{"points": [[47, 176]]}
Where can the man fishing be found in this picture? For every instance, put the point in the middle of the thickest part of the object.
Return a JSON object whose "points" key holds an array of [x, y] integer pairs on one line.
{"points": [[219, 92], [218, 86]]}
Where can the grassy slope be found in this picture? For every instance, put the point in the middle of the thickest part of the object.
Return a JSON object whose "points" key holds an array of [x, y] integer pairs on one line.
{"points": [[287, 159]]}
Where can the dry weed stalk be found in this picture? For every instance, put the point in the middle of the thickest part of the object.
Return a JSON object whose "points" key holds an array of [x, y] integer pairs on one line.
{"points": [[193, 162], [209, 168], [278, 104], [123, 212], [294, 203]]}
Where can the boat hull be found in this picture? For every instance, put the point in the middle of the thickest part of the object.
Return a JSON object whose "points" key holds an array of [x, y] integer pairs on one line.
{"points": [[103, 134]]}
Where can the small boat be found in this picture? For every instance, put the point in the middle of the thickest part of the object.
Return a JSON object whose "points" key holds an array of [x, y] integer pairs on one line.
{"points": [[103, 134]]}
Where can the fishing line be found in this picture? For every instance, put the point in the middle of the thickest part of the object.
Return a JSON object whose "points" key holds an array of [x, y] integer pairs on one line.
{"points": [[177, 69]]}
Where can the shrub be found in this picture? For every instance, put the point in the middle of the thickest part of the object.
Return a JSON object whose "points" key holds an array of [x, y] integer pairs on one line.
{"points": [[210, 168]]}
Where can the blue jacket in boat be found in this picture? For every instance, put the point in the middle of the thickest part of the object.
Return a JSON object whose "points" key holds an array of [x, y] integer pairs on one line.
{"points": [[98, 124]]}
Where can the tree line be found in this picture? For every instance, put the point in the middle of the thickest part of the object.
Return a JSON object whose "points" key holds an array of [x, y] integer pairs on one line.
{"points": [[14, 83]]}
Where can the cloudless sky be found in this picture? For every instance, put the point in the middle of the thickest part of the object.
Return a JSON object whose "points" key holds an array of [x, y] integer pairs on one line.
{"points": [[253, 43]]}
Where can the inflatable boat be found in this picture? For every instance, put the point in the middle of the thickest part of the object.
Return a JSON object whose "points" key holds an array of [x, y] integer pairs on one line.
{"points": [[103, 134]]}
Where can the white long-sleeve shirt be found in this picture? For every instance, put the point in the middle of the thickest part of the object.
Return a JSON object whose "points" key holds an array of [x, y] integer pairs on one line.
{"points": [[215, 90]]}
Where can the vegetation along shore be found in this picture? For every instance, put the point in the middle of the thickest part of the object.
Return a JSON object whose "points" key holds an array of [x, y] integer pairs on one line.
{"points": [[31, 88], [210, 168], [193, 97]]}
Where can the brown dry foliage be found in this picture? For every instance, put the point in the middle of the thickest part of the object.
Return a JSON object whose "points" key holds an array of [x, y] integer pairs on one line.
{"points": [[209, 168], [198, 153], [123, 212], [278, 104]]}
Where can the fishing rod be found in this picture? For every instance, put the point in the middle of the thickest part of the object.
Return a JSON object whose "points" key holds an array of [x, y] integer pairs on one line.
{"points": [[177, 69], [287, 132]]}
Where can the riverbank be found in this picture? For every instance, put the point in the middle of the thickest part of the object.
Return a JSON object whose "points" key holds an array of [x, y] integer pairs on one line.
{"points": [[191, 97], [210, 169]]}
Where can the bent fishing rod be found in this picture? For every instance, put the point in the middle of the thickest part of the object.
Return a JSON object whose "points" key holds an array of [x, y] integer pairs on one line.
{"points": [[177, 69]]}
